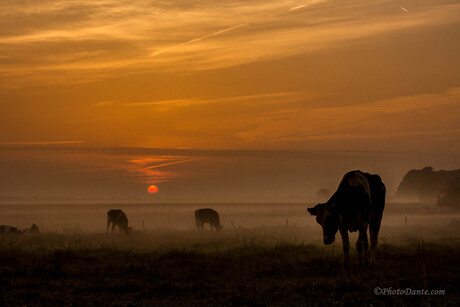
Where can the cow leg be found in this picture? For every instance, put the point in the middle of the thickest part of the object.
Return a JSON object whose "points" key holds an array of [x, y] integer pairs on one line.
{"points": [[366, 248], [107, 230], [345, 246], [113, 227], [362, 244], [359, 248], [374, 228], [211, 226]]}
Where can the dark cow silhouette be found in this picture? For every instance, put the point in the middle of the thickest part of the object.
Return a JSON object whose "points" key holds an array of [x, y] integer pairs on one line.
{"points": [[357, 205], [9, 229], [33, 229], [207, 215], [118, 218]]}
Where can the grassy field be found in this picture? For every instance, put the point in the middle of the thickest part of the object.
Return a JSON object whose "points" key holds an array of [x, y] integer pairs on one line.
{"points": [[281, 266]]}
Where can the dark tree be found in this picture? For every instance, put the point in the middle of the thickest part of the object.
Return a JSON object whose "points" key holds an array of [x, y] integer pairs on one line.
{"points": [[451, 194], [425, 185]]}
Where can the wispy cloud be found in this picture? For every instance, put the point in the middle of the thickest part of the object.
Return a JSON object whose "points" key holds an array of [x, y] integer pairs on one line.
{"points": [[297, 7], [102, 104], [32, 143], [268, 98], [400, 117], [147, 168], [75, 41], [198, 39], [142, 164]]}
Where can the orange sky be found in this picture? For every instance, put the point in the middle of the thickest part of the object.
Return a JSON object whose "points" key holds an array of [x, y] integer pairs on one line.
{"points": [[368, 76]]}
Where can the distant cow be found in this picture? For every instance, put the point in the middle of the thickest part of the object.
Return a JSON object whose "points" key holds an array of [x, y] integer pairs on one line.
{"points": [[9, 229], [357, 204], [118, 218], [207, 216], [31, 230]]}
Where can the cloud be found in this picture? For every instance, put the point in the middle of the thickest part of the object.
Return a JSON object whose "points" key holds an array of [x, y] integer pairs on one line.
{"points": [[39, 143], [146, 168], [297, 7], [77, 41], [144, 165], [198, 39], [422, 117], [283, 97], [102, 104]]}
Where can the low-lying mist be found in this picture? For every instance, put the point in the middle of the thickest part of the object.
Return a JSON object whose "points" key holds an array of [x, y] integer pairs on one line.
{"points": [[265, 254], [400, 219]]}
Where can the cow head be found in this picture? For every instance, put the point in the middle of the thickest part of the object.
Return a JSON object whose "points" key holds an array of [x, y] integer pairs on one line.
{"points": [[34, 229], [127, 229], [329, 220]]}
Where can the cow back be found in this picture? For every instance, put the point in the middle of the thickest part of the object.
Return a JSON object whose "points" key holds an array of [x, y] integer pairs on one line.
{"points": [[207, 215], [117, 217], [360, 192], [378, 192]]}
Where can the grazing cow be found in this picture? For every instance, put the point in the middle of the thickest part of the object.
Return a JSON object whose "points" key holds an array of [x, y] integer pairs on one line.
{"points": [[357, 204], [9, 229], [118, 218], [207, 216], [31, 230]]}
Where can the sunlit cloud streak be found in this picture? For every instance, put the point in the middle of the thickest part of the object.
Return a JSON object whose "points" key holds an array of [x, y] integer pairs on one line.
{"points": [[297, 7], [76, 41], [390, 118], [38, 143], [195, 40], [143, 169], [265, 98], [146, 169], [102, 104]]}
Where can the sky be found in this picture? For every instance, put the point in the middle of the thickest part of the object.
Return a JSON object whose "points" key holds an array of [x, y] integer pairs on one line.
{"points": [[223, 101]]}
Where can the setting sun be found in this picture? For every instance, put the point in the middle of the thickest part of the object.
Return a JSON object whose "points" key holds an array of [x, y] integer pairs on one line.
{"points": [[153, 189]]}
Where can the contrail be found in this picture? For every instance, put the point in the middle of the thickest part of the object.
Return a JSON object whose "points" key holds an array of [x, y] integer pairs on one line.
{"points": [[215, 33], [297, 7], [171, 163], [194, 40]]}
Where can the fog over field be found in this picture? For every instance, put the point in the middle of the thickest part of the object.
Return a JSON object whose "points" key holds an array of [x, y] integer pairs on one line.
{"points": [[265, 254], [80, 174], [92, 218]]}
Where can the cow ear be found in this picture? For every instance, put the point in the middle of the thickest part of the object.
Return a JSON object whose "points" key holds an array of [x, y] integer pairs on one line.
{"points": [[312, 211]]}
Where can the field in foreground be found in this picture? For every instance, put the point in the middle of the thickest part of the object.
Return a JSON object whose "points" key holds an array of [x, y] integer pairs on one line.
{"points": [[260, 266]]}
